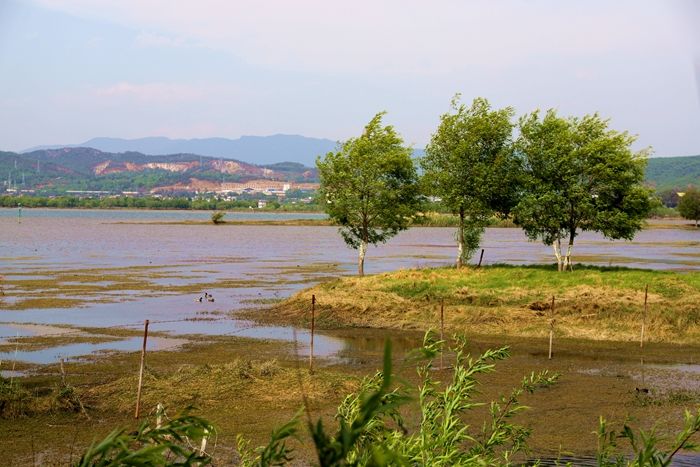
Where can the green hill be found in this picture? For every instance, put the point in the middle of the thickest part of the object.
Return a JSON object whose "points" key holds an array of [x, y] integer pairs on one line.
{"points": [[668, 173]]}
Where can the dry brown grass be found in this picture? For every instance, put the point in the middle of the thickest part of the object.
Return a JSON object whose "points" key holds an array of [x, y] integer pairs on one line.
{"points": [[592, 303]]}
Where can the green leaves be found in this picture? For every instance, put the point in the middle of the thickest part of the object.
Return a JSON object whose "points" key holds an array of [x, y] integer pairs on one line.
{"points": [[579, 175], [644, 444], [170, 444], [372, 431], [370, 186], [689, 205], [471, 166]]}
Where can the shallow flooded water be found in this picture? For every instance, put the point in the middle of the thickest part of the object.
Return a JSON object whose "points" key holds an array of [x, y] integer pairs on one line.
{"points": [[116, 270], [175, 264]]}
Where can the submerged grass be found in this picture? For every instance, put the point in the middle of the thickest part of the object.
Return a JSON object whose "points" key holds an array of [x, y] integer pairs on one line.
{"points": [[591, 302], [77, 287], [242, 385]]}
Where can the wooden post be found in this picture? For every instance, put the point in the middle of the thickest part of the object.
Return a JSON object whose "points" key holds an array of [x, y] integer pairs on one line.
{"points": [[143, 363], [63, 374], [313, 325], [551, 328], [204, 443], [159, 415], [644, 317], [442, 333], [481, 257]]}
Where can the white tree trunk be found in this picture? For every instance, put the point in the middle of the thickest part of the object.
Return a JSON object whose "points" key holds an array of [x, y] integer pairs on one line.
{"points": [[567, 259], [361, 258], [460, 240], [556, 245]]}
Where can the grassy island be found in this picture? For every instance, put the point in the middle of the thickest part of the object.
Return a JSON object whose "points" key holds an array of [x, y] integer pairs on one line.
{"points": [[590, 302]]}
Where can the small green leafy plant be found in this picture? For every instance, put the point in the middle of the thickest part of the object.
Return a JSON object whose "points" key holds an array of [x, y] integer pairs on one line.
{"points": [[644, 444], [218, 217], [169, 444], [371, 430]]}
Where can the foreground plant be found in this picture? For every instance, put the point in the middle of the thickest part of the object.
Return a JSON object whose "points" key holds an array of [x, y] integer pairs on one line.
{"points": [[371, 430], [644, 444], [169, 444]]}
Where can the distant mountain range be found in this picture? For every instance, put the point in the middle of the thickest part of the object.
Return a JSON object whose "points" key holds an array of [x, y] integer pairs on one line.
{"points": [[667, 173], [259, 150], [90, 169], [85, 168]]}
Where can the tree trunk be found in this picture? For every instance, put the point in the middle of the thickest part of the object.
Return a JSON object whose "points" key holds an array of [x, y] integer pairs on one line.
{"points": [[567, 260], [460, 239], [361, 258], [556, 245]]}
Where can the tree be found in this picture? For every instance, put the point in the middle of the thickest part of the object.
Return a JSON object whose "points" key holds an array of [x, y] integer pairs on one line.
{"points": [[217, 217], [579, 176], [370, 187], [689, 205], [471, 166]]}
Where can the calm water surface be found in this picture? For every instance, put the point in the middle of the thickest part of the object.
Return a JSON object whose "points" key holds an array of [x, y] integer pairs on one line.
{"points": [[272, 262]]}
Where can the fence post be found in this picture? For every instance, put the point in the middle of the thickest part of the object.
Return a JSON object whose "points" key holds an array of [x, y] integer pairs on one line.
{"points": [[442, 333], [551, 329], [63, 374], [159, 415], [644, 317], [203, 447], [143, 362], [313, 325]]}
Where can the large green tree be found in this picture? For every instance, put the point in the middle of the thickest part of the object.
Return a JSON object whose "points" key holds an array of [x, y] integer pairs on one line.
{"points": [[689, 205], [579, 176], [369, 187], [471, 166]]}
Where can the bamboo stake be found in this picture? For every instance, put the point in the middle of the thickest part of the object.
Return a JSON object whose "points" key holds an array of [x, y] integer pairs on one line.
{"points": [[204, 443], [313, 325], [551, 328], [442, 333], [644, 317], [63, 374], [159, 415], [481, 257], [143, 362], [14, 362]]}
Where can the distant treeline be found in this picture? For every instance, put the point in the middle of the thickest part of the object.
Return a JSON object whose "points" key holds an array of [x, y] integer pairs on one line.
{"points": [[130, 202]]}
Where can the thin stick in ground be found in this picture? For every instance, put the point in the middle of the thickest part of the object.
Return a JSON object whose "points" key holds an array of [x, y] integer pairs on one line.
{"points": [[313, 325], [551, 328], [143, 362], [644, 316], [442, 333], [63, 373]]}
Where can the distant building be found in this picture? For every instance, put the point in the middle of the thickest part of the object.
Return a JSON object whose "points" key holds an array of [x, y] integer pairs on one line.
{"points": [[261, 203]]}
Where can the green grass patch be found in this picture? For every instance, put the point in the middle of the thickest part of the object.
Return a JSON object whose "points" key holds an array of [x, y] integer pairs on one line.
{"points": [[590, 302]]}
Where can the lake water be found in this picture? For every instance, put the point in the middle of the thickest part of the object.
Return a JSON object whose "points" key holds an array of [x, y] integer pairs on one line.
{"points": [[267, 261]]}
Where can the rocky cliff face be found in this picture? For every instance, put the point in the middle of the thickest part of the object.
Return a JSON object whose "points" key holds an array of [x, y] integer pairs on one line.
{"points": [[78, 168]]}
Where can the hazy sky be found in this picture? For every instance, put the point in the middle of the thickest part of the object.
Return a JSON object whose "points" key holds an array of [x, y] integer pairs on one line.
{"points": [[71, 70]]}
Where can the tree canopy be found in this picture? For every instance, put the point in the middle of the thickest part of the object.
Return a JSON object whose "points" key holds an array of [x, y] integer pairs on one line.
{"points": [[579, 175], [689, 205], [470, 165], [370, 186]]}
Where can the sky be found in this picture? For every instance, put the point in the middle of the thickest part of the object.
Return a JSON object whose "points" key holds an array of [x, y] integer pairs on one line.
{"points": [[71, 70]]}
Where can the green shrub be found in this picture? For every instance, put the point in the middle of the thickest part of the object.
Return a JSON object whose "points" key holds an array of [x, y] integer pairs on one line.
{"points": [[218, 217]]}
